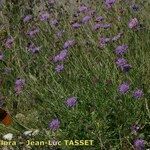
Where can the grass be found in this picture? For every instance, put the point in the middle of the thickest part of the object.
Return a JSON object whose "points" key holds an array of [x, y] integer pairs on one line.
{"points": [[90, 74]]}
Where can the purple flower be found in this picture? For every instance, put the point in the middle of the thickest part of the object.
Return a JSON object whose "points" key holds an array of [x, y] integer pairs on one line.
{"points": [[86, 19], [27, 18], [91, 12], [71, 102], [59, 68], [83, 8], [135, 128], [1, 56], [137, 94], [9, 42], [51, 2], [126, 67], [61, 56], [54, 124], [139, 144], [96, 26], [133, 23], [135, 7], [54, 22], [32, 32], [44, 16], [118, 36], [105, 26], [19, 85], [121, 62], [103, 41], [68, 44], [123, 88], [100, 18], [60, 33], [32, 48], [76, 25], [121, 49], [109, 3]]}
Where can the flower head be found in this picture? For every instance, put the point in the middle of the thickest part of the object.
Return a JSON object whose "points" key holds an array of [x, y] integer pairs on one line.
{"points": [[83, 8], [54, 22], [123, 88], [68, 44], [139, 144], [76, 25], [44, 16], [9, 42], [121, 49], [1, 56], [86, 19], [117, 37], [32, 32], [99, 18], [54, 124], [135, 7], [59, 68], [19, 85], [103, 41], [32, 48], [133, 23], [121, 62], [137, 94], [135, 128], [27, 18], [71, 102], [109, 3], [61, 56]]}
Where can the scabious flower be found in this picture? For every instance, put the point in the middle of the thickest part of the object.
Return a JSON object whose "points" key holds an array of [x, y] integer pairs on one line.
{"points": [[137, 94], [133, 23], [96, 26], [123, 88], [105, 26], [51, 2], [32, 48], [60, 33], [32, 32], [135, 7], [27, 18], [61, 56], [59, 68], [54, 22], [1, 56], [54, 124], [44, 16], [99, 19], [103, 41], [76, 25], [121, 49], [86, 19], [117, 37], [139, 144], [126, 67], [109, 3], [91, 12], [9, 42], [121, 62], [135, 128], [71, 102], [83, 9], [19, 85], [68, 44]]}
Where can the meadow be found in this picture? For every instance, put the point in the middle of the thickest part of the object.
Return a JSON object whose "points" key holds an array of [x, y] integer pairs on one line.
{"points": [[76, 70]]}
